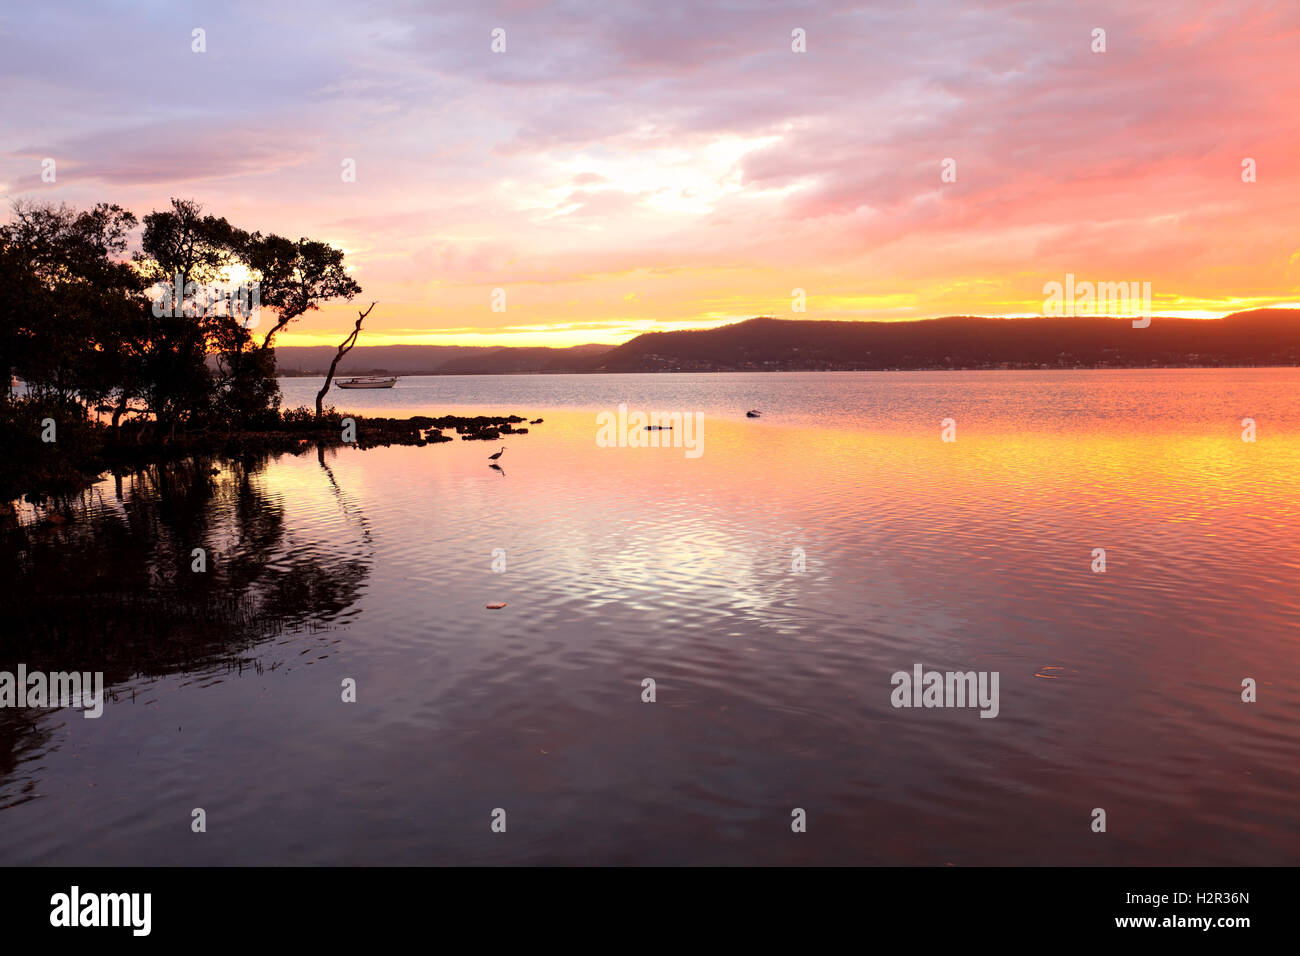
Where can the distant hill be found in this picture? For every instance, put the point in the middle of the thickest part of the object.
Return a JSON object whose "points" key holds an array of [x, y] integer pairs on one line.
{"points": [[1260, 337]]}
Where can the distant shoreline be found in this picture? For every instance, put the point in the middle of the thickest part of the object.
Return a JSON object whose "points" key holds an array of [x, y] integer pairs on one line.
{"points": [[765, 371], [1258, 338]]}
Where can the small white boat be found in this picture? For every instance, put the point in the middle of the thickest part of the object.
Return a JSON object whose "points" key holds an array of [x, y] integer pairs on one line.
{"points": [[372, 382]]}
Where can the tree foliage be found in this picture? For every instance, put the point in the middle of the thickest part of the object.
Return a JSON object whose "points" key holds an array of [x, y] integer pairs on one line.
{"points": [[81, 323]]}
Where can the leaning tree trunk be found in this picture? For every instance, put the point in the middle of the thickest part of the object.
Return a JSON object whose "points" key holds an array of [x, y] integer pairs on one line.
{"points": [[118, 412], [344, 348]]}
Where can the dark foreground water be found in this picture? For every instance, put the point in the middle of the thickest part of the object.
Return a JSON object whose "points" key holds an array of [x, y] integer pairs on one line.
{"points": [[1118, 690]]}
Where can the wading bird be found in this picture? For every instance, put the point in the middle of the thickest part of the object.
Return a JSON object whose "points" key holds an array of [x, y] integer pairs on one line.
{"points": [[498, 454]]}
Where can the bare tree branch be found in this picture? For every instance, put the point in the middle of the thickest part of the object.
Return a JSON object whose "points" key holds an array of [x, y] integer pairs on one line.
{"points": [[344, 348]]}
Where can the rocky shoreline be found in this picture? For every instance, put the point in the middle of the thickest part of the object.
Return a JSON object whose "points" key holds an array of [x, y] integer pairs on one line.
{"points": [[59, 474]]}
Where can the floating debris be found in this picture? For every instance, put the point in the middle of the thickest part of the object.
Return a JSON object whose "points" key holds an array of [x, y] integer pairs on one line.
{"points": [[1051, 667], [496, 607]]}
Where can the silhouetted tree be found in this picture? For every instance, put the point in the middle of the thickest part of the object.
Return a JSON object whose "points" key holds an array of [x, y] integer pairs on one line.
{"points": [[90, 329], [295, 277]]}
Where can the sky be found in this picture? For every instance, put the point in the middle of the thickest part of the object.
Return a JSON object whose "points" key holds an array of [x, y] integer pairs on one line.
{"points": [[630, 167]]}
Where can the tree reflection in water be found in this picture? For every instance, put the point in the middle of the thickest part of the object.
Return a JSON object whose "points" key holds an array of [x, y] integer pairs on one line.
{"points": [[113, 588]]}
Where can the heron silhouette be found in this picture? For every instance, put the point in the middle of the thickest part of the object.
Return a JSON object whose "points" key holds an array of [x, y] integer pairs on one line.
{"points": [[498, 454]]}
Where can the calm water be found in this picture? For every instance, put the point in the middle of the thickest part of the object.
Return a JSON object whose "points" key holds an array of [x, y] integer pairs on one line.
{"points": [[1118, 690]]}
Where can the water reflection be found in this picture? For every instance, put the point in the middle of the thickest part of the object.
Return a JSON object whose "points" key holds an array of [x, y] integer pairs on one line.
{"points": [[173, 568], [1118, 690]]}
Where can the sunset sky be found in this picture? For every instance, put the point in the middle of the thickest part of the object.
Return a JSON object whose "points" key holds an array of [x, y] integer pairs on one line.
{"points": [[623, 168]]}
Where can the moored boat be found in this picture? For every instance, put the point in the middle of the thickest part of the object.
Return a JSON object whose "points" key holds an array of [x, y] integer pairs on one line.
{"points": [[373, 381]]}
